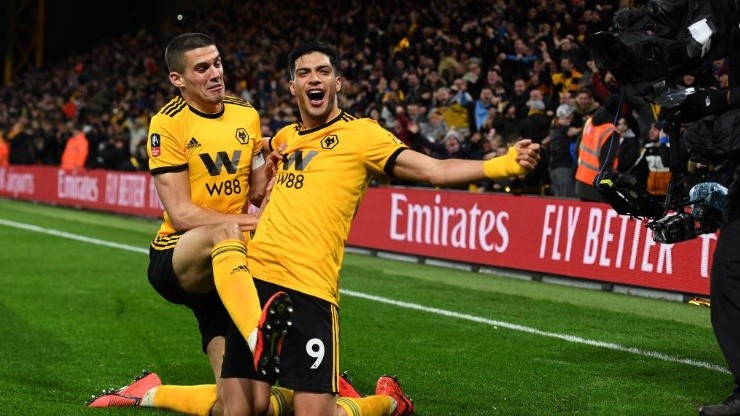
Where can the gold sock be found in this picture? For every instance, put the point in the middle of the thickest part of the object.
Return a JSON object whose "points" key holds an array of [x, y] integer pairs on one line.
{"points": [[370, 405], [235, 285], [281, 400], [191, 400]]}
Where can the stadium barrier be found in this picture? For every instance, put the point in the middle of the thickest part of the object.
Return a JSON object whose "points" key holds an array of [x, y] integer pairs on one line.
{"points": [[538, 235]]}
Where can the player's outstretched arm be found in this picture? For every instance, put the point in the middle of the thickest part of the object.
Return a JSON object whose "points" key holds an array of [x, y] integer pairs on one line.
{"points": [[415, 166]]}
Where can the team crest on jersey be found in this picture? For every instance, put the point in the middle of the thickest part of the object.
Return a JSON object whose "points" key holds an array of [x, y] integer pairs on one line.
{"points": [[242, 135], [330, 141], [155, 145]]}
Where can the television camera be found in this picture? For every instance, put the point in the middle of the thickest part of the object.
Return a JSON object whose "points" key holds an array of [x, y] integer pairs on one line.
{"points": [[648, 51]]}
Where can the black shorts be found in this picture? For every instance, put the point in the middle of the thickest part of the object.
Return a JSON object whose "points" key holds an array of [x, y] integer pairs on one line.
{"points": [[309, 358], [208, 309]]}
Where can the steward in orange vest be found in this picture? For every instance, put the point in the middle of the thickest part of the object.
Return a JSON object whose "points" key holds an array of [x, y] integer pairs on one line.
{"points": [[598, 149], [75, 151]]}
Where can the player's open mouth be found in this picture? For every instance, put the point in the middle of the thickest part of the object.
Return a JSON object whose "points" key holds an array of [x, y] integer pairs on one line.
{"points": [[315, 96]]}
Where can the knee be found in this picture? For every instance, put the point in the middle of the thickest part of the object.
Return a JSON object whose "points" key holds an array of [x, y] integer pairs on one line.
{"points": [[236, 408], [242, 408], [262, 407], [227, 231], [233, 410]]}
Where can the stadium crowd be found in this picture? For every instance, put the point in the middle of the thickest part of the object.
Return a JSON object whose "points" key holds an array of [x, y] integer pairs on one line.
{"points": [[451, 79]]}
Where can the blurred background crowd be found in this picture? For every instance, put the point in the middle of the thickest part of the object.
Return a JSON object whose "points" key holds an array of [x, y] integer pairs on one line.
{"points": [[450, 78]]}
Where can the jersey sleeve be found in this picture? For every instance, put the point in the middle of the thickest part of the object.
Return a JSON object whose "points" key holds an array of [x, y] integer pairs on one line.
{"points": [[166, 150], [281, 137], [382, 148]]}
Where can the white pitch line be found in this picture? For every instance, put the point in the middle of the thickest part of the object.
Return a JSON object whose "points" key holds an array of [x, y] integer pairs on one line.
{"points": [[520, 328], [407, 305], [70, 236]]}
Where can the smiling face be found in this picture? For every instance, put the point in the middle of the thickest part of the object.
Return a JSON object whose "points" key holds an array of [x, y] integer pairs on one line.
{"points": [[315, 85], [202, 81]]}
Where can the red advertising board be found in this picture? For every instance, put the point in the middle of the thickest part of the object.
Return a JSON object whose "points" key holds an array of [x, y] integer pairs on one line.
{"points": [[543, 235], [547, 235], [104, 190]]}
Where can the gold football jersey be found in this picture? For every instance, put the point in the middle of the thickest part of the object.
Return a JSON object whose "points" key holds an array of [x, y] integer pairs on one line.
{"points": [[299, 242], [217, 150]]}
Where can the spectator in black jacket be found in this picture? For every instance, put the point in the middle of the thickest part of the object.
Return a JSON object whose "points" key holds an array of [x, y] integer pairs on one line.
{"points": [[629, 146], [562, 141], [22, 151]]}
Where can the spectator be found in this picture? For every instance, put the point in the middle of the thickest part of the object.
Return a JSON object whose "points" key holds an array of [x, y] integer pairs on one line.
{"points": [[76, 150], [473, 78], [4, 150], [480, 114], [459, 92], [629, 147], [140, 157], [433, 82], [519, 97], [115, 155], [650, 168], [598, 149], [506, 123], [416, 92], [487, 145], [434, 129], [454, 146], [536, 124], [572, 50], [137, 126], [49, 144], [568, 78], [496, 83], [22, 151], [722, 75], [281, 117], [561, 160], [565, 98], [518, 62], [405, 127], [448, 63], [504, 35], [584, 106], [454, 113]]}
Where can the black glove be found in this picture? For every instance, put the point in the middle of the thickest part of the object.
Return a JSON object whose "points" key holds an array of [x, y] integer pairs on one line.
{"points": [[702, 103]]}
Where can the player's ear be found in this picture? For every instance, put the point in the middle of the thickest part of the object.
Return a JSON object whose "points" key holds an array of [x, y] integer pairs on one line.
{"points": [[291, 85], [176, 79], [339, 84]]}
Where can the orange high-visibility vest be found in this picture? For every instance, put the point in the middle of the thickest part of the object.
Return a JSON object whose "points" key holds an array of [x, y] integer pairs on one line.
{"points": [[589, 152], [75, 152]]}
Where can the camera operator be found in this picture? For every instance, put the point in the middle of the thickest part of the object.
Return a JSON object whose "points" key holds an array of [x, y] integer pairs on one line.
{"points": [[683, 36]]}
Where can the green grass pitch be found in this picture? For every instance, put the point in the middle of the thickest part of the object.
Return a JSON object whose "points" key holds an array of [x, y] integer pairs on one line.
{"points": [[78, 315]]}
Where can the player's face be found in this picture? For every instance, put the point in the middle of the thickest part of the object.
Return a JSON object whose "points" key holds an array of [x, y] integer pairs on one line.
{"points": [[315, 86], [202, 83]]}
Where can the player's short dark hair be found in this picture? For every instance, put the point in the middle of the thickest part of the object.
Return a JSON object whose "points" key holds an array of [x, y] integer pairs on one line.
{"points": [[310, 47], [174, 54]]}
